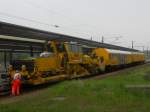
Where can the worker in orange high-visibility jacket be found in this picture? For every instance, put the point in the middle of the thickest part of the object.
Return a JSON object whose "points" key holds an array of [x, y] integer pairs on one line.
{"points": [[16, 84]]}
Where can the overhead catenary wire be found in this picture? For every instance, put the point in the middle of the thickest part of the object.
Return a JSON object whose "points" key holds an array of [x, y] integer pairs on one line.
{"points": [[36, 5], [26, 19], [67, 18], [38, 22], [75, 30]]}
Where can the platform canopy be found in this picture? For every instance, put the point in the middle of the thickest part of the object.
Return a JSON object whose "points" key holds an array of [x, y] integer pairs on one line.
{"points": [[12, 35]]}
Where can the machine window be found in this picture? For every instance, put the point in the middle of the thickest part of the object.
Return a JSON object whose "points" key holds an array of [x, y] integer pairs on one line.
{"points": [[73, 48], [49, 48], [60, 47], [80, 49]]}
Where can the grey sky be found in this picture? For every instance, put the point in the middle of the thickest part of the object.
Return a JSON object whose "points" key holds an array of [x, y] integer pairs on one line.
{"points": [[85, 18]]}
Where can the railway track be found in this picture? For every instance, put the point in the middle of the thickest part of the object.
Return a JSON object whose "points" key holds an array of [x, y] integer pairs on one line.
{"points": [[30, 90], [116, 72]]}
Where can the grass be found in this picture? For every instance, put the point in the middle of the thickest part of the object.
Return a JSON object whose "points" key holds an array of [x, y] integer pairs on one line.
{"points": [[93, 95]]}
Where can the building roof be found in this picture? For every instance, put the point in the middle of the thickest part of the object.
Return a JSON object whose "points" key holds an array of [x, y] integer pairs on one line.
{"points": [[12, 30]]}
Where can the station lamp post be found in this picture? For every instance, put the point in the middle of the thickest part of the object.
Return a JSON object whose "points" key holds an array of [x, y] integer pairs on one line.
{"points": [[133, 44]]}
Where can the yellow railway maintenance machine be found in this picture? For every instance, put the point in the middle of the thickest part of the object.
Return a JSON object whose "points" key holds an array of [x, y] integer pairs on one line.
{"points": [[60, 60], [67, 60]]}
